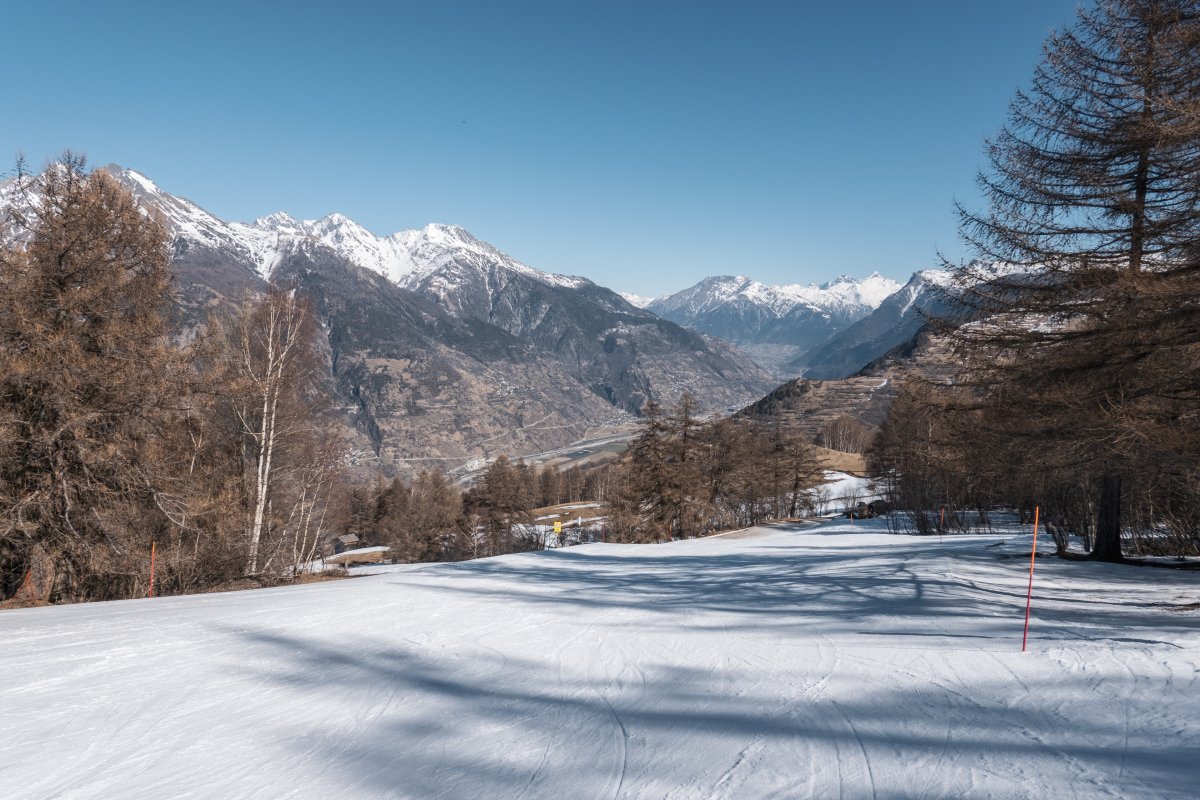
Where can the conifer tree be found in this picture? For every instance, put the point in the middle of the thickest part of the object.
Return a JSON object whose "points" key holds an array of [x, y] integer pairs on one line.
{"points": [[1094, 211], [85, 385], [503, 499], [437, 507], [649, 483]]}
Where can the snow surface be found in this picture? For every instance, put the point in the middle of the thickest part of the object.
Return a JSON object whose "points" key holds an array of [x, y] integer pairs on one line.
{"points": [[787, 662], [845, 490]]}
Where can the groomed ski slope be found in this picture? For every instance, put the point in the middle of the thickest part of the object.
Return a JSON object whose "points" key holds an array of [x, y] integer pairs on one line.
{"points": [[793, 662]]}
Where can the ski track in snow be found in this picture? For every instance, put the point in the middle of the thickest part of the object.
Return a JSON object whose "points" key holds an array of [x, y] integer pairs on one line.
{"points": [[830, 661]]}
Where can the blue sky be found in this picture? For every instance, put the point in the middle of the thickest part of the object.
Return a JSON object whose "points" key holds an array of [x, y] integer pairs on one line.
{"points": [[644, 144]]}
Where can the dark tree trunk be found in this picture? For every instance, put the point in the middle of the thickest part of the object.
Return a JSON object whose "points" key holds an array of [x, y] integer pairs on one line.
{"points": [[1108, 523], [14, 569]]}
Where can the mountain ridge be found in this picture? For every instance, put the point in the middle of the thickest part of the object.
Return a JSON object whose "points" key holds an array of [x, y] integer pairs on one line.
{"points": [[895, 321], [775, 324], [440, 347]]}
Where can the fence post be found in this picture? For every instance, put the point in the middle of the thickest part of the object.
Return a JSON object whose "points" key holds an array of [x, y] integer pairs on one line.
{"points": [[153, 548]]}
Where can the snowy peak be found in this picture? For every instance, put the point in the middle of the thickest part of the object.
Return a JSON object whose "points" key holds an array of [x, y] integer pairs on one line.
{"points": [[406, 258], [774, 324], [449, 256], [637, 300], [713, 292], [922, 284], [277, 220], [841, 296], [869, 291], [452, 236], [342, 235], [436, 241], [338, 227], [183, 218]]}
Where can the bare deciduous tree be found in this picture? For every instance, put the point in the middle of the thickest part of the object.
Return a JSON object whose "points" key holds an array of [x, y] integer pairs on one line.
{"points": [[846, 434], [269, 363]]}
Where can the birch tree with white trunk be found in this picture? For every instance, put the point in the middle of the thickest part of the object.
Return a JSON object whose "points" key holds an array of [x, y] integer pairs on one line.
{"points": [[273, 343]]}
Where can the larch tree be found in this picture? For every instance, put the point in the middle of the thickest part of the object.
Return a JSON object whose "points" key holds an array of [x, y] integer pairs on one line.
{"points": [[648, 490], [503, 499], [1093, 216], [685, 464], [84, 384], [437, 510]]}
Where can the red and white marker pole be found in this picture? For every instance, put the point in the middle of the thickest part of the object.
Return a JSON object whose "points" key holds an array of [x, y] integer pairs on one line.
{"points": [[1029, 592]]}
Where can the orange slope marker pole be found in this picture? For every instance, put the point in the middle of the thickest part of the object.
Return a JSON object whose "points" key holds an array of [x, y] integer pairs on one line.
{"points": [[1029, 593], [152, 554]]}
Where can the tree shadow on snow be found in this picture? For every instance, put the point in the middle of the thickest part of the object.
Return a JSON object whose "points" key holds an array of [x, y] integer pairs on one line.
{"points": [[907, 588], [615, 708], [428, 724]]}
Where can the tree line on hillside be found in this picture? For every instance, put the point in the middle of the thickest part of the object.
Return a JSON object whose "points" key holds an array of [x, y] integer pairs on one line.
{"points": [[686, 477], [1080, 386], [213, 450], [681, 477], [431, 519]]}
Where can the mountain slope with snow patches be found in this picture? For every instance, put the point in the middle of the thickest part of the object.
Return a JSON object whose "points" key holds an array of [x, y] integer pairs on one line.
{"points": [[441, 348], [895, 321], [843, 296], [774, 323]]}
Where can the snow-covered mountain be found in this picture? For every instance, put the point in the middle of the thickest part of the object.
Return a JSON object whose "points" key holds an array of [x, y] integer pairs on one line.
{"points": [[441, 345], [638, 300], [893, 322], [774, 323], [843, 296], [623, 353], [408, 258]]}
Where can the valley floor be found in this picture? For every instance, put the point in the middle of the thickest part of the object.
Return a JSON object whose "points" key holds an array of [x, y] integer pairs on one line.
{"points": [[830, 661]]}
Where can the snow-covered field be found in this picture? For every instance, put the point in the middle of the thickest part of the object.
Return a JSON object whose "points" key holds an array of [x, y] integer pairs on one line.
{"points": [[844, 490], [831, 661]]}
